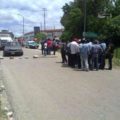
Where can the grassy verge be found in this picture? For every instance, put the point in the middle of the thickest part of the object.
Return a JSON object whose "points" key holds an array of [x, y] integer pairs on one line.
{"points": [[117, 53], [116, 59], [2, 113], [116, 62]]}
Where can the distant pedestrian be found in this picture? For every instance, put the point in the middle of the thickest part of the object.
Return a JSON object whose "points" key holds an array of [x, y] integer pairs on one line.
{"points": [[63, 53], [49, 46], [54, 47], [74, 48], [102, 55], [109, 55], [45, 48], [42, 47]]}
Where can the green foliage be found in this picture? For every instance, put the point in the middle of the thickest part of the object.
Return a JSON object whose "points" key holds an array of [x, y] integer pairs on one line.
{"points": [[117, 53], [40, 36], [66, 36], [71, 21], [108, 27]]}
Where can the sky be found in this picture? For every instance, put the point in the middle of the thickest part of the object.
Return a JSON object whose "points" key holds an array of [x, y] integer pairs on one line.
{"points": [[12, 13]]}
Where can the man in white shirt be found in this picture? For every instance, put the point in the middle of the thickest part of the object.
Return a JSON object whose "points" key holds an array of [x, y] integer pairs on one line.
{"points": [[74, 48]]}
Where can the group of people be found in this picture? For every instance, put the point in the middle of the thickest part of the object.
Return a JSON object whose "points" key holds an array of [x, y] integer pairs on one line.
{"points": [[47, 46], [87, 55]]}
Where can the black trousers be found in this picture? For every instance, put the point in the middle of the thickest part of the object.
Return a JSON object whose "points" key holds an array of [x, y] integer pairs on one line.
{"points": [[73, 60], [64, 58], [110, 61]]}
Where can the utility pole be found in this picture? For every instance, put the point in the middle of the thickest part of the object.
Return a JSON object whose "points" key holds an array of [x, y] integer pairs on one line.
{"points": [[23, 25], [44, 15], [23, 28], [84, 17], [40, 26]]}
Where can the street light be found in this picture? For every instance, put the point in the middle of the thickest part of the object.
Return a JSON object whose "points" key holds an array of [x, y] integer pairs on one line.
{"points": [[23, 24]]}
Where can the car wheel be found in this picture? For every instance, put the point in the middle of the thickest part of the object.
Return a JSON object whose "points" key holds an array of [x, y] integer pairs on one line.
{"points": [[21, 54], [4, 54]]}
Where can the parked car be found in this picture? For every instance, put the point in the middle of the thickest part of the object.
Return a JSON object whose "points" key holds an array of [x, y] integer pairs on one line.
{"points": [[31, 44], [2, 44], [12, 48]]}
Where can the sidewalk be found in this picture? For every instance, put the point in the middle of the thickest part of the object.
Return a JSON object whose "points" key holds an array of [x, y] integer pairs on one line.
{"points": [[4, 103]]}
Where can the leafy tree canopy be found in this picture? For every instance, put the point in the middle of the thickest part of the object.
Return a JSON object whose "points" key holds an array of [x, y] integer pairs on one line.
{"points": [[108, 27], [40, 36]]}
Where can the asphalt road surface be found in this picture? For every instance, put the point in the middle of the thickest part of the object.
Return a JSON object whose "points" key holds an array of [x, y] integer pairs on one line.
{"points": [[43, 89]]}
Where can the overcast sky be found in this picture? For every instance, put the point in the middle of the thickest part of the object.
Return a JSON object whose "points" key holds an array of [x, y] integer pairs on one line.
{"points": [[12, 13]]}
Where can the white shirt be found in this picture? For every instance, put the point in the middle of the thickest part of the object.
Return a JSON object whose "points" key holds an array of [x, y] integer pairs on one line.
{"points": [[74, 47]]}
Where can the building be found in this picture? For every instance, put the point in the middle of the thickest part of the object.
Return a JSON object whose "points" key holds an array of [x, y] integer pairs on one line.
{"points": [[6, 33], [51, 33]]}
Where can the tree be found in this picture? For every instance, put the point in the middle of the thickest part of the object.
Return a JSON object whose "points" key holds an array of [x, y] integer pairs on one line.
{"points": [[71, 20], [108, 27], [40, 36], [112, 30]]}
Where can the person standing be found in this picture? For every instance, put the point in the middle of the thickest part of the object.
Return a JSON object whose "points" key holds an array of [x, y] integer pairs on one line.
{"points": [[74, 48], [68, 52], [95, 51], [84, 53], [109, 55], [63, 53], [49, 46], [42, 47], [54, 46], [45, 48], [102, 55]]}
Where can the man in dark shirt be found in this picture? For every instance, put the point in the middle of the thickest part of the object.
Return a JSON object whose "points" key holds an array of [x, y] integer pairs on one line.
{"points": [[109, 55]]}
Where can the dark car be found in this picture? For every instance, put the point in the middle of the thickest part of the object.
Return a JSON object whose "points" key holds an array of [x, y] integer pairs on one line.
{"points": [[12, 48], [2, 44]]}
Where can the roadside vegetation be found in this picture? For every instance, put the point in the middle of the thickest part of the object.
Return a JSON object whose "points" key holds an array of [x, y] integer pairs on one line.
{"points": [[2, 112], [116, 59], [102, 20], [93, 19]]}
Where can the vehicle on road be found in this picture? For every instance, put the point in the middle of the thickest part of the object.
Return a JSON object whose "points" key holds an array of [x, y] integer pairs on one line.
{"points": [[5, 36], [31, 44], [2, 44], [12, 49]]}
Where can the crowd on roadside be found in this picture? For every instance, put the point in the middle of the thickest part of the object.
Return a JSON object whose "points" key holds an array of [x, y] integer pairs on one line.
{"points": [[87, 55], [49, 45]]}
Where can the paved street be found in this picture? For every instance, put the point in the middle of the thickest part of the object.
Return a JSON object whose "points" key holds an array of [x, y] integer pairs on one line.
{"points": [[42, 89]]}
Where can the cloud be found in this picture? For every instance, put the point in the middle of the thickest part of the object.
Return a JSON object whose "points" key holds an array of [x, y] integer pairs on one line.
{"points": [[32, 12]]}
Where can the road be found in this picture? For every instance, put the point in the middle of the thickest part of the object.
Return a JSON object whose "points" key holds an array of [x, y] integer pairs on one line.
{"points": [[44, 89]]}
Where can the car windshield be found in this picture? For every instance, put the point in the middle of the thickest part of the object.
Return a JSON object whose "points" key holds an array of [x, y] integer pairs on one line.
{"points": [[31, 41], [13, 44], [3, 42]]}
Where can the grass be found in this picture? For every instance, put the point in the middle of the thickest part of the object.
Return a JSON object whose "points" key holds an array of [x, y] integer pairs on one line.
{"points": [[2, 112], [117, 53], [116, 59]]}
